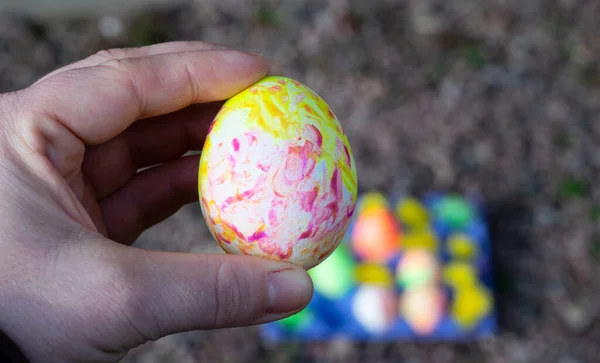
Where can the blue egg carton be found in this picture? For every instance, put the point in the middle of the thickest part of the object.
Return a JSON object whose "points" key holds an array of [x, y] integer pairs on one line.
{"points": [[326, 319]]}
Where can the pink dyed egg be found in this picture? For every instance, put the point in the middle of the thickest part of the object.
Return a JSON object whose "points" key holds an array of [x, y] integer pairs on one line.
{"points": [[277, 177], [423, 308]]}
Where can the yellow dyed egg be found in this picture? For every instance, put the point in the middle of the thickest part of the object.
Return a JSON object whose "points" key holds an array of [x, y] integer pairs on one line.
{"points": [[371, 201], [461, 246], [471, 304], [460, 274], [277, 177], [412, 213], [420, 239], [373, 274]]}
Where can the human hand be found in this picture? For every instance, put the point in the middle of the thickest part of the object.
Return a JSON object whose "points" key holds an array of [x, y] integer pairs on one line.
{"points": [[71, 287]]}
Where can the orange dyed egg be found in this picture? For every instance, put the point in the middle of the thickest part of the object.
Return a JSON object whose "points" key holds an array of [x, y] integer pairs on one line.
{"points": [[376, 233]]}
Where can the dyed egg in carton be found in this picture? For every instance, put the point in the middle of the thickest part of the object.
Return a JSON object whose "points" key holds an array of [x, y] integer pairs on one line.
{"points": [[408, 269]]}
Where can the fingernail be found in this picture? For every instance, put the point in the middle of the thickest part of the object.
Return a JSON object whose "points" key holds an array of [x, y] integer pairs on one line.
{"points": [[240, 56], [275, 69], [289, 290]]}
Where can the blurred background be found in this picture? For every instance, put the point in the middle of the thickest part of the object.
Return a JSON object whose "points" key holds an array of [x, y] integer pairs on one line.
{"points": [[498, 97]]}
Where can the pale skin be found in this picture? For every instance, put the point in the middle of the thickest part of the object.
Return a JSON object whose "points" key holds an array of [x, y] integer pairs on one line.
{"points": [[72, 288]]}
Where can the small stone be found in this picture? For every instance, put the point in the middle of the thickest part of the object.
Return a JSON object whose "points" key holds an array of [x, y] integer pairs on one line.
{"points": [[568, 4], [340, 349], [546, 215], [574, 316], [519, 353], [425, 21], [483, 152], [569, 360], [557, 288], [557, 109], [110, 26]]}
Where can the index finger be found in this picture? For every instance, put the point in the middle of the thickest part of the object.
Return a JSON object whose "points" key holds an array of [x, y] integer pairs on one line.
{"points": [[120, 53], [97, 103]]}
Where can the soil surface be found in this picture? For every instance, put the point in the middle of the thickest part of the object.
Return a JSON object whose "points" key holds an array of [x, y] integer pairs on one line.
{"points": [[498, 97]]}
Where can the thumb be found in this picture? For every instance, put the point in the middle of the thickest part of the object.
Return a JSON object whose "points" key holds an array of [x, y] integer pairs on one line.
{"points": [[183, 292]]}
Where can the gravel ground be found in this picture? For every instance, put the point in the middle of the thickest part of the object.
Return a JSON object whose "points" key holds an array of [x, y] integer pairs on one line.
{"points": [[498, 97]]}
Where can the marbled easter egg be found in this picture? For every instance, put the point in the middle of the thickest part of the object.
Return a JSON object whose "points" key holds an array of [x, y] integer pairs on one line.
{"points": [[277, 176]]}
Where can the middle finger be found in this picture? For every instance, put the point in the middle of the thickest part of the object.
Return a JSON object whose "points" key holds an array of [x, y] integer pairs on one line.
{"points": [[111, 165]]}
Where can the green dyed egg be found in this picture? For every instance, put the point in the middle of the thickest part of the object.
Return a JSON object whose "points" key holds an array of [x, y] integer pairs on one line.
{"points": [[297, 320], [455, 211], [334, 277]]}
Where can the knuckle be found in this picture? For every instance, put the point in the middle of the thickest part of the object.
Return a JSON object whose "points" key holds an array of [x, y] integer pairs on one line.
{"points": [[109, 54], [121, 64], [125, 69], [201, 73], [229, 291], [189, 76]]}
